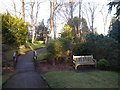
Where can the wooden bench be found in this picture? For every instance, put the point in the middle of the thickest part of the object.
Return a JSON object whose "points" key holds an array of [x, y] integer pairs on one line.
{"points": [[83, 60]]}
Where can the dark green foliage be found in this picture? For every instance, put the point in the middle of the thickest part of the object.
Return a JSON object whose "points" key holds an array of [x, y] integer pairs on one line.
{"points": [[102, 63], [115, 32], [65, 43], [29, 40], [80, 49], [41, 31], [114, 57], [14, 30], [111, 22], [6, 47], [75, 25], [76, 22], [117, 5], [100, 46]]}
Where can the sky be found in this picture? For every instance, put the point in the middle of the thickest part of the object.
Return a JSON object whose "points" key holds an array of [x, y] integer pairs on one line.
{"points": [[44, 13]]}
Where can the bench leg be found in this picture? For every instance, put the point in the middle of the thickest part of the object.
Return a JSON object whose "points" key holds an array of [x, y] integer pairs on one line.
{"points": [[76, 67]]}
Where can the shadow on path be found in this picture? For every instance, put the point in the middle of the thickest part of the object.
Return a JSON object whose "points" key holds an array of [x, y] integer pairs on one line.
{"points": [[26, 76]]}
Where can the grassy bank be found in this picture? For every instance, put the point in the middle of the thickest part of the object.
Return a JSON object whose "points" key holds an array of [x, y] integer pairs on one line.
{"points": [[5, 77], [31, 46], [71, 79], [9, 50]]}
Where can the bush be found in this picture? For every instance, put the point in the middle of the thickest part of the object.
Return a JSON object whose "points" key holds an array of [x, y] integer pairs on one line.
{"points": [[100, 46], [29, 40], [43, 57], [103, 63], [80, 49], [115, 32], [14, 30], [58, 48], [6, 47], [113, 57], [27, 44]]}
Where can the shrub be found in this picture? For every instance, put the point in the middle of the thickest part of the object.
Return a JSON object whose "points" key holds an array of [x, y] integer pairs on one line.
{"points": [[113, 57], [27, 44], [115, 32], [57, 49], [29, 40], [80, 49], [5, 47], [14, 30], [66, 44], [100, 46], [44, 56], [103, 63]]}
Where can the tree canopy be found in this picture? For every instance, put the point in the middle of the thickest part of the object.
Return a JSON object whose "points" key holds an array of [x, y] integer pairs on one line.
{"points": [[67, 32], [14, 29], [117, 5], [78, 31], [114, 31]]}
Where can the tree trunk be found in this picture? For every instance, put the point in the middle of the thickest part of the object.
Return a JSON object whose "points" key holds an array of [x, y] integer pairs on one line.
{"points": [[14, 8], [33, 34], [52, 19], [92, 23], [23, 9], [79, 30]]}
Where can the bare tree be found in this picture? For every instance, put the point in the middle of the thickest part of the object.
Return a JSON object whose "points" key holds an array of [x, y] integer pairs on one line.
{"points": [[53, 10], [66, 13], [23, 9], [14, 6], [71, 8], [79, 31], [67, 10], [34, 10], [51, 20], [15, 11], [105, 15], [89, 10]]}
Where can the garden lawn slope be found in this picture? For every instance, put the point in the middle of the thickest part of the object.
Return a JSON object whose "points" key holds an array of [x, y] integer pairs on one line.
{"points": [[7, 76], [71, 79]]}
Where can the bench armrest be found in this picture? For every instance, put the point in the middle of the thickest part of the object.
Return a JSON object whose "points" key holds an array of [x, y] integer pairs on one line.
{"points": [[74, 61], [94, 60]]}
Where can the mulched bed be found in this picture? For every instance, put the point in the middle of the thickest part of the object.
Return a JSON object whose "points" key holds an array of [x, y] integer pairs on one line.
{"points": [[46, 67]]}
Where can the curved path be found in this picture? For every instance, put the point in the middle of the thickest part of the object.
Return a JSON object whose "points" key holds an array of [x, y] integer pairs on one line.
{"points": [[26, 76]]}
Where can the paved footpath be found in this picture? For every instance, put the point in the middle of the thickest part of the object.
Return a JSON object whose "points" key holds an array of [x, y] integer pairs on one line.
{"points": [[26, 76]]}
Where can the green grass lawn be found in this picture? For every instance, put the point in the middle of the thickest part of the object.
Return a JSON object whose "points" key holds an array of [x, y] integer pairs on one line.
{"points": [[31, 46], [42, 56], [8, 52], [72, 79]]}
